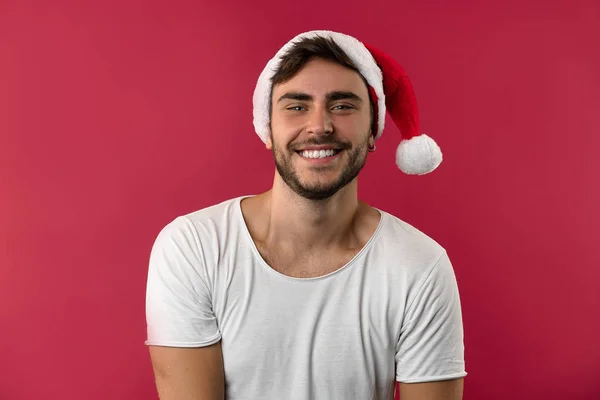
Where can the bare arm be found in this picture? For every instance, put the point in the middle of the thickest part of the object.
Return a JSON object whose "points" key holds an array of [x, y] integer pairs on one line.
{"points": [[189, 373], [442, 390]]}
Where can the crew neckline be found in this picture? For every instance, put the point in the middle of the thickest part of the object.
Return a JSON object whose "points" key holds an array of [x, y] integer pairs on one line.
{"points": [[264, 264]]}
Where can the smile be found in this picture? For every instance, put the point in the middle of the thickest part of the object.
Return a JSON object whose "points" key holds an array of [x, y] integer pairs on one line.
{"points": [[318, 153]]}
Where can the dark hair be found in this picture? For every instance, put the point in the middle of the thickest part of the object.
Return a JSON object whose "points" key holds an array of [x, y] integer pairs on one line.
{"points": [[306, 49], [302, 52]]}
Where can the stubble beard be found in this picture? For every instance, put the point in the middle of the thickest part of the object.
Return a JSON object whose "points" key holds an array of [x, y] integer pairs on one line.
{"points": [[356, 158]]}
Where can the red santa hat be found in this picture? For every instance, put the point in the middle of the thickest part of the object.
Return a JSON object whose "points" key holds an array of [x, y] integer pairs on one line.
{"points": [[390, 89]]}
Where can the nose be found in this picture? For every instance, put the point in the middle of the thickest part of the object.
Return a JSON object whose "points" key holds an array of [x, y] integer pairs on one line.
{"points": [[319, 122]]}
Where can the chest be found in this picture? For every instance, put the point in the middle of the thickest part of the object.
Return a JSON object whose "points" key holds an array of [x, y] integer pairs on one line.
{"points": [[328, 333], [306, 264]]}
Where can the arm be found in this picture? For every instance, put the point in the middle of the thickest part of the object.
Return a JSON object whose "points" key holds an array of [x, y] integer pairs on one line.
{"points": [[442, 390], [183, 336], [189, 373], [430, 352]]}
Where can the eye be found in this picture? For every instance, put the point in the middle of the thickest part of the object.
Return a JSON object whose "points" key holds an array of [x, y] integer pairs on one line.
{"points": [[343, 107], [296, 108]]}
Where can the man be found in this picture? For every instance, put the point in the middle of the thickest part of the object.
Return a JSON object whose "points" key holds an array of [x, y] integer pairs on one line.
{"points": [[304, 291]]}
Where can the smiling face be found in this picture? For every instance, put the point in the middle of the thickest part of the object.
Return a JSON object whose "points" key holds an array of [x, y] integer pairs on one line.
{"points": [[320, 128]]}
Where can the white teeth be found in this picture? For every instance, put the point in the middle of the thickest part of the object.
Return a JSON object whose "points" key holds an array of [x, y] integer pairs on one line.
{"points": [[317, 153]]}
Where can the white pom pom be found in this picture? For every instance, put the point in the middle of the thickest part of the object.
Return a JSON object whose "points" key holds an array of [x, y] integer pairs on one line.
{"points": [[418, 155]]}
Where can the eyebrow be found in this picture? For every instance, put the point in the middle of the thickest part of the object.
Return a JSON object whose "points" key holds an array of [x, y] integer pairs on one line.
{"points": [[331, 96]]}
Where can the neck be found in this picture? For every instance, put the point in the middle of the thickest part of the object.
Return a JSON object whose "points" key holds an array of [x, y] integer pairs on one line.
{"points": [[302, 223]]}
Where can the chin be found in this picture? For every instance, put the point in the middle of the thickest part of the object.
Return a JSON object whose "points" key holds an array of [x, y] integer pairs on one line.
{"points": [[317, 194], [321, 181], [320, 189]]}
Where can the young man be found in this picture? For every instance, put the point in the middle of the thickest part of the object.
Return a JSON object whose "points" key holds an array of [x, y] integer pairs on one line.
{"points": [[306, 292]]}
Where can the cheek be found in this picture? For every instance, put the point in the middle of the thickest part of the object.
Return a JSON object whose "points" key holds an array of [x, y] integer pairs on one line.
{"points": [[285, 129], [287, 121], [356, 125]]}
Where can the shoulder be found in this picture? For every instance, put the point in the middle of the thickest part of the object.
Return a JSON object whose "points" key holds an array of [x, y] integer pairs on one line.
{"points": [[407, 236], [202, 224], [413, 251], [215, 213], [193, 244]]}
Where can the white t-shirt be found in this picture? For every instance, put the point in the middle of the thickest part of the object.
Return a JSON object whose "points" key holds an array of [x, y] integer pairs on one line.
{"points": [[392, 313]]}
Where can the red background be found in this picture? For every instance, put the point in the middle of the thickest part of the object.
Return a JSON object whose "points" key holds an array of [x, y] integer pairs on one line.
{"points": [[117, 116]]}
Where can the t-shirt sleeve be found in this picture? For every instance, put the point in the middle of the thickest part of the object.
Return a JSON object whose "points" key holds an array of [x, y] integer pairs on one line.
{"points": [[178, 297], [431, 346]]}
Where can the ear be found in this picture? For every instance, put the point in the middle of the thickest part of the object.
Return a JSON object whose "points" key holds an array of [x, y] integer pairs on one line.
{"points": [[269, 143], [371, 140]]}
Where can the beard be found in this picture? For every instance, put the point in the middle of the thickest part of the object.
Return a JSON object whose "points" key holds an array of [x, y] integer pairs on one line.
{"points": [[356, 158]]}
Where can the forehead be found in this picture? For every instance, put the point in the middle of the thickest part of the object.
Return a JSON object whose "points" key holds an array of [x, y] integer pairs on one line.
{"points": [[318, 77]]}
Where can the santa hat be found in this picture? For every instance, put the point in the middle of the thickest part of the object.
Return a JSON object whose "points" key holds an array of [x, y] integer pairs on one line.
{"points": [[390, 90]]}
